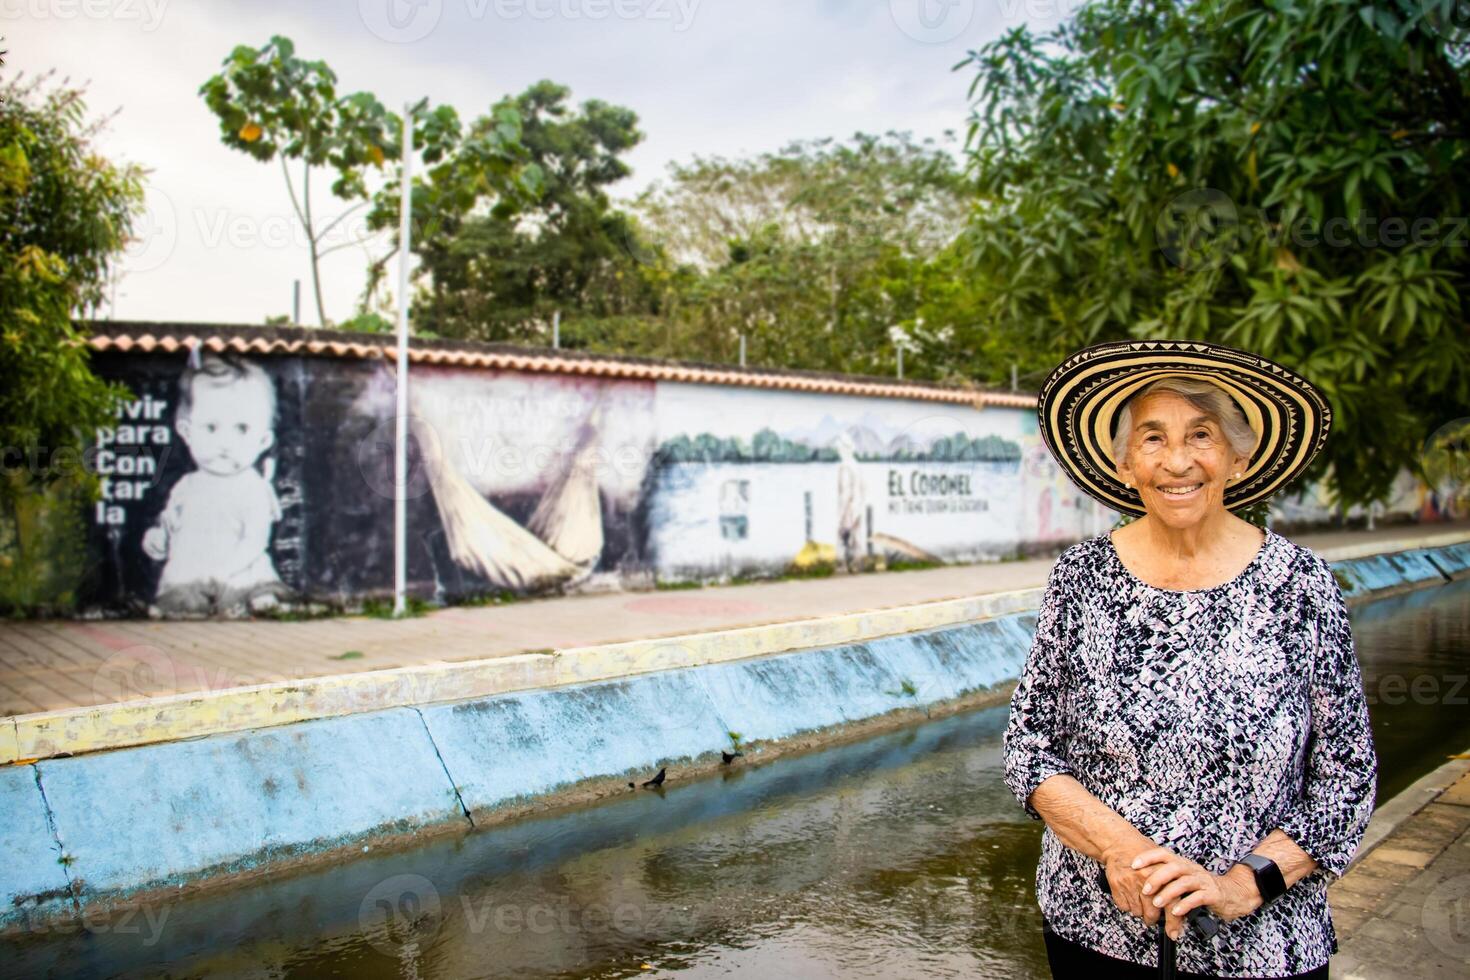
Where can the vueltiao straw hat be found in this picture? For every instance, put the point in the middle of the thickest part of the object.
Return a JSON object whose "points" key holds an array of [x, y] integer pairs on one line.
{"points": [[1081, 400]]}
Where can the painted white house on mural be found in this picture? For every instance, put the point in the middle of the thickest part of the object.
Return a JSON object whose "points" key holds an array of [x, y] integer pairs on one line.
{"points": [[750, 479]]}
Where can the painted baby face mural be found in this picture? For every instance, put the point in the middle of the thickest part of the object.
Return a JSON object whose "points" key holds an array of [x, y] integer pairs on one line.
{"points": [[214, 533]]}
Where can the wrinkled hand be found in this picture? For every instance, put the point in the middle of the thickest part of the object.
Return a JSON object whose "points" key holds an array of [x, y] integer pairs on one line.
{"points": [[1126, 881], [1174, 885]]}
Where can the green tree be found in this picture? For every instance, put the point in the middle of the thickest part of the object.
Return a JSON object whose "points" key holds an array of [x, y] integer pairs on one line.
{"points": [[503, 275], [275, 105], [484, 170], [1284, 176], [818, 254], [65, 214]]}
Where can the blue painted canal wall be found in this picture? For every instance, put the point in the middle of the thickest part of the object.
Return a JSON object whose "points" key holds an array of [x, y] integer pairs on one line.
{"points": [[115, 826]]}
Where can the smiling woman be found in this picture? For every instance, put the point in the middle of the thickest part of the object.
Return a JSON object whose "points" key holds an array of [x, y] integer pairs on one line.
{"points": [[1191, 714]]}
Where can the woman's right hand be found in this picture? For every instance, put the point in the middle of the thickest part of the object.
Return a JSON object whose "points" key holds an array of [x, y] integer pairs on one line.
{"points": [[1125, 883]]}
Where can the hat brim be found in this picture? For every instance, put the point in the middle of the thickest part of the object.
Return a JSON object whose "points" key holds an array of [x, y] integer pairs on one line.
{"points": [[1081, 400]]}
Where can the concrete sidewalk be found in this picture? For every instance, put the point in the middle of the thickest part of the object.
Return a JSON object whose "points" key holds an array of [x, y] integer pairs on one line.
{"points": [[1403, 908], [58, 665]]}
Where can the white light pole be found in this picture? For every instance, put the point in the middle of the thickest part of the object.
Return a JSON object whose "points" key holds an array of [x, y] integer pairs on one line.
{"points": [[400, 440]]}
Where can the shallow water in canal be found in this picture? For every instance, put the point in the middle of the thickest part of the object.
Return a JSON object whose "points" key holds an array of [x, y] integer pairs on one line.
{"points": [[898, 856]]}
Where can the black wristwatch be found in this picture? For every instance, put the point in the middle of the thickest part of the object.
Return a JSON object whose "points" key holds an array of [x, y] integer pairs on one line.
{"points": [[1269, 881]]}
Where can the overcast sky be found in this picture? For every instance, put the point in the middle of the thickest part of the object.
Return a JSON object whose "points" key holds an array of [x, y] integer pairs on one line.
{"points": [[711, 77]]}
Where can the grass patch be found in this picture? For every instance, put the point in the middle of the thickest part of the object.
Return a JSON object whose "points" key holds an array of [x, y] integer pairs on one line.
{"points": [[499, 597], [297, 614], [413, 607], [676, 586], [349, 655], [912, 565]]}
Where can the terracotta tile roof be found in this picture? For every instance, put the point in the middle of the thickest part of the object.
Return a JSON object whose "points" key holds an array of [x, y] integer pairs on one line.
{"points": [[119, 335]]}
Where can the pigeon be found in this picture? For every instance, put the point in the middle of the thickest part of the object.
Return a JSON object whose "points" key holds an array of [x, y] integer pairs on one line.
{"points": [[658, 780], [729, 757]]}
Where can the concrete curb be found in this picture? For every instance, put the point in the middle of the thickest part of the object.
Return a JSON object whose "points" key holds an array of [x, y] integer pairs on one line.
{"points": [[133, 824], [75, 731], [1409, 801], [79, 730]]}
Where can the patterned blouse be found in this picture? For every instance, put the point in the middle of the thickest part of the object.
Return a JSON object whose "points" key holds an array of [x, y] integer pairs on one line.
{"points": [[1206, 718]]}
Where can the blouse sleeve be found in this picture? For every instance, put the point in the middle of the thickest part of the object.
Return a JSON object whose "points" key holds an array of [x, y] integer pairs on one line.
{"points": [[1034, 741], [1330, 816]]}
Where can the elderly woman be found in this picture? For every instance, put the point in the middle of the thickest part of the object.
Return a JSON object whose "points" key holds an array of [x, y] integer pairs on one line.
{"points": [[1191, 717]]}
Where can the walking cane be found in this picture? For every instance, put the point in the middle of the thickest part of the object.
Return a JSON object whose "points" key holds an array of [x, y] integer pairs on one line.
{"points": [[1204, 922]]}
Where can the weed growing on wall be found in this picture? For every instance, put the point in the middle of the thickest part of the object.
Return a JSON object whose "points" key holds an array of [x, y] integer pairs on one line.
{"points": [[42, 545]]}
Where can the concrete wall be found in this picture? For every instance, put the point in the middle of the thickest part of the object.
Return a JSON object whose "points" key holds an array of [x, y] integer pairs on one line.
{"points": [[106, 825], [239, 483], [236, 484]]}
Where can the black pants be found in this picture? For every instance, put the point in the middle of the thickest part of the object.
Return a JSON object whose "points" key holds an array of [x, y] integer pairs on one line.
{"points": [[1071, 961]]}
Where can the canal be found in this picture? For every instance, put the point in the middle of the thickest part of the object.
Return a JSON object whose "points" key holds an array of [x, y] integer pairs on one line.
{"points": [[900, 855]]}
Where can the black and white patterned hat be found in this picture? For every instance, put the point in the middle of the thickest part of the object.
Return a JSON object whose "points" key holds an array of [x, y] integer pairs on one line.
{"points": [[1080, 402]]}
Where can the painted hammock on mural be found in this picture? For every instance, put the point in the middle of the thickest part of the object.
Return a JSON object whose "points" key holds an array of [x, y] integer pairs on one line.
{"points": [[563, 539]]}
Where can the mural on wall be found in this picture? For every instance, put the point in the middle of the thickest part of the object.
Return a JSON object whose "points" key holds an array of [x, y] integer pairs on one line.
{"points": [[233, 485], [748, 481], [213, 534], [195, 490], [535, 479]]}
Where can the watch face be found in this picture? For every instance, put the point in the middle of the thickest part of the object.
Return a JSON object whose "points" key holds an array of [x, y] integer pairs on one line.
{"points": [[1269, 881]]}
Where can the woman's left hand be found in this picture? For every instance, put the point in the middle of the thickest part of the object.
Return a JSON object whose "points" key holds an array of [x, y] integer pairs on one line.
{"points": [[1177, 885]]}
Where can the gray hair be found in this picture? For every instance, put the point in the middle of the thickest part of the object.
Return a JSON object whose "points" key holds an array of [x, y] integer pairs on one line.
{"points": [[1206, 396]]}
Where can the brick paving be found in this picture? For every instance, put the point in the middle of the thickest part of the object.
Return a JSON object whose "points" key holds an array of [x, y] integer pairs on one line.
{"points": [[51, 665], [1403, 909]]}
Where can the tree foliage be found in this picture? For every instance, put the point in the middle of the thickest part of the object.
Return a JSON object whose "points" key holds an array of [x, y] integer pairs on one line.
{"points": [[1284, 176], [503, 275], [273, 104], [65, 215], [823, 255]]}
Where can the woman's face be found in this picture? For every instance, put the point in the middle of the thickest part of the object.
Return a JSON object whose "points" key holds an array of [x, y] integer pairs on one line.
{"points": [[1178, 460]]}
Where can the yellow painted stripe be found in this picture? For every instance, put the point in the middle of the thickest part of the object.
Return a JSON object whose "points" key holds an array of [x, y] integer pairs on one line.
{"points": [[75, 730], [640, 656]]}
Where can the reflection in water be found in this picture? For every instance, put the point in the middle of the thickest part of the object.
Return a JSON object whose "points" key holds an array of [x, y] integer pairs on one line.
{"points": [[902, 855], [1415, 653]]}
